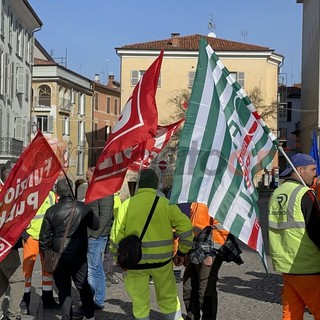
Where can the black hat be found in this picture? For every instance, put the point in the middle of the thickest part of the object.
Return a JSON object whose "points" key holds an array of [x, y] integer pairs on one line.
{"points": [[148, 179]]}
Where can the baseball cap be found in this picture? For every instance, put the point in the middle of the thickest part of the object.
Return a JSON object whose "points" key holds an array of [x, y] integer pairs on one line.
{"points": [[298, 160]]}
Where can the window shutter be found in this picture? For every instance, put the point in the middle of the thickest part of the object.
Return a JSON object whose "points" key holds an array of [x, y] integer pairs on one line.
{"points": [[134, 77], [20, 80], [24, 128], [50, 124], [18, 134], [191, 78]]}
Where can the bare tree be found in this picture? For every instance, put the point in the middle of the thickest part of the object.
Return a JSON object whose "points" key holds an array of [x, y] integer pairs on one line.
{"points": [[180, 99], [265, 111]]}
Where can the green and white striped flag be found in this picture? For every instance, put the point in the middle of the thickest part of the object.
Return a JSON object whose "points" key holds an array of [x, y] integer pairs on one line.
{"points": [[224, 143]]}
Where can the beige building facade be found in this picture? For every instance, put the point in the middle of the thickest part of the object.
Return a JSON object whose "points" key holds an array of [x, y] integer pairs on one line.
{"points": [[62, 110], [253, 67]]}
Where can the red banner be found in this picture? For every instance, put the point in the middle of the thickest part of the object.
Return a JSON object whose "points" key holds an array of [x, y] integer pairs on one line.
{"points": [[24, 191], [137, 123], [154, 146]]}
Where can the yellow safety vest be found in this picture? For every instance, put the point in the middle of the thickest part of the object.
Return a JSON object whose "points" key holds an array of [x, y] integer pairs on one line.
{"points": [[35, 224], [290, 248], [157, 243]]}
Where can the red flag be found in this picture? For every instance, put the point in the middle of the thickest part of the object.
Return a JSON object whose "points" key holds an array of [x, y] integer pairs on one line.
{"points": [[24, 191], [154, 145], [137, 123]]}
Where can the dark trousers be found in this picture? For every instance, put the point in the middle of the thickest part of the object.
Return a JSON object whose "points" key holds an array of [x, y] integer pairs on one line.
{"points": [[200, 290], [77, 271]]}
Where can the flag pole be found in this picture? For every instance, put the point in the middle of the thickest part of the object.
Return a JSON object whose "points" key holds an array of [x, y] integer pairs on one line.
{"points": [[68, 180], [291, 164]]}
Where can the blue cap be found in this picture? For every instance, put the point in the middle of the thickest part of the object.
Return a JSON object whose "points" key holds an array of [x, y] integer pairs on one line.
{"points": [[298, 160]]}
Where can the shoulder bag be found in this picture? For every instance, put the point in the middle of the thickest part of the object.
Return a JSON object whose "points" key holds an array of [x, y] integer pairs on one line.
{"points": [[130, 248]]}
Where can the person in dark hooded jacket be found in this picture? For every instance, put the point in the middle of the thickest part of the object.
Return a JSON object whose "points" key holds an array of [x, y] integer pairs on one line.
{"points": [[73, 262]]}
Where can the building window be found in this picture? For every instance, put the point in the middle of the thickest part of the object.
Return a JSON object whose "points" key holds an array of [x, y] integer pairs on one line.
{"points": [[42, 123], [282, 112], [239, 77], [11, 21], [136, 76], [44, 96], [12, 81], [2, 19], [6, 74], [27, 86], [282, 134], [18, 128], [20, 40], [80, 164], [81, 104], [191, 78], [1, 72], [81, 134], [116, 111], [66, 126], [107, 132], [108, 104], [96, 101]]}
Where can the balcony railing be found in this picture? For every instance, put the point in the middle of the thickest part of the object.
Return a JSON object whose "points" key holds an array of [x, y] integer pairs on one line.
{"points": [[65, 104], [10, 147], [38, 103]]}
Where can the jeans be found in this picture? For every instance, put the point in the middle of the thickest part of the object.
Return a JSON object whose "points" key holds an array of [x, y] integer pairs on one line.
{"points": [[96, 276]]}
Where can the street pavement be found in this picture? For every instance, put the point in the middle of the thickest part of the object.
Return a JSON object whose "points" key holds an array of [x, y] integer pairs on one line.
{"points": [[245, 292]]}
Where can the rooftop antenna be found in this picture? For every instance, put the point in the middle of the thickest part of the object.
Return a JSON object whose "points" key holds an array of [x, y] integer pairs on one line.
{"points": [[62, 60], [211, 26], [244, 34]]}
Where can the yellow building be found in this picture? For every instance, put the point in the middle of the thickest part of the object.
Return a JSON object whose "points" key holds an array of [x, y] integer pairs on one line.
{"points": [[253, 67]]}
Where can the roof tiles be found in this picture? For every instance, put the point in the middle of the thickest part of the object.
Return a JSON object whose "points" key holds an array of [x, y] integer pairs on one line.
{"points": [[191, 42]]}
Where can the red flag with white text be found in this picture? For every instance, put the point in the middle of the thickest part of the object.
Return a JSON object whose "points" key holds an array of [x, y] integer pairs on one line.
{"points": [[27, 186], [154, 146], [137, 123]]}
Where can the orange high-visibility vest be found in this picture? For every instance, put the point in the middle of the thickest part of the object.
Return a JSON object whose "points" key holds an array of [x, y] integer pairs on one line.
{"points": [[200, 218]]}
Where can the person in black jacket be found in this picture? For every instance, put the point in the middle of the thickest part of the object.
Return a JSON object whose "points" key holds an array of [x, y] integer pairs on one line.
{"points": [[73, 262]]}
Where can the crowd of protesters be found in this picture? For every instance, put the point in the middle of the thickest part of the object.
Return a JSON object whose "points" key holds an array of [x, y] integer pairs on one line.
{"points": [[88, 237]]}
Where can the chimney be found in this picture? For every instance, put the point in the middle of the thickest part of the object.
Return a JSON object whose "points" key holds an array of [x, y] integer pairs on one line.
{"points": [[97, 77], [110, 80], [175, 39]]}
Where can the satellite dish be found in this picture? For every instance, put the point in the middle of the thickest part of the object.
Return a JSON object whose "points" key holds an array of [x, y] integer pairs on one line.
{"points": [[212, 35]]}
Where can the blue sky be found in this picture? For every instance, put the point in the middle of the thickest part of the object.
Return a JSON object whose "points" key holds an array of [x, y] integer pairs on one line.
{"points": [[87, 32]]}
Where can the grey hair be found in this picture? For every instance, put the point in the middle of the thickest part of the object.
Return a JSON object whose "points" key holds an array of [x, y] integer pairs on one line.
{"points": [[64, 187]]}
